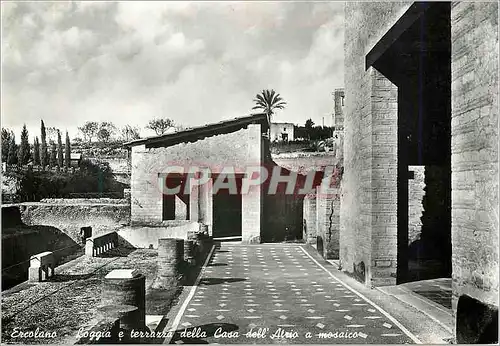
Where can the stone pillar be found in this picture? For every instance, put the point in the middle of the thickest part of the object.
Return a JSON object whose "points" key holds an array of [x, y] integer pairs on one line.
{"points": [[127, 194], [384, 181], [123, 288], [170, 258], [205, 205], [189, 252], [251, 205], [194, 193]]}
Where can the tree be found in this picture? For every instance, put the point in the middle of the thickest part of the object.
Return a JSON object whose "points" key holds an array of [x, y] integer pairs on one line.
{"points": [[51, 134], [44, 155], [103, 135], [160, 126], [23, 153], [130, 133], [12, 156], [106, 131], [89, 130], [60, 158], [309, 125], [6, 140], [36, 152], [53, 155], [67, 152], [268, 101]]}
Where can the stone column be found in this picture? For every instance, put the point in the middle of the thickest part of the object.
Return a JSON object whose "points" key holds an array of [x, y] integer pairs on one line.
{"points": [[310, 218], [384, 182], [122, 289], [189, 253], [251, 214], [205, 205], [170, 258], [194, 193]]}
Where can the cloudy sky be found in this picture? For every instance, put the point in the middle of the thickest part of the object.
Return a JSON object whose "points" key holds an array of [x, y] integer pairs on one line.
{"points": [[195, 63]]}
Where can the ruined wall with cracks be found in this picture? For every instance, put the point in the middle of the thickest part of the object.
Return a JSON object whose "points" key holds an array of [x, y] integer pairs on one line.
{"points": [[328, 223], [474, 146], [69, 216], [321, 213]]}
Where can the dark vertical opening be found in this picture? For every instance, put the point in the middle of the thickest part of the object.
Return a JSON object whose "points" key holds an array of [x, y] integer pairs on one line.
{"points": [[419, 63], [227, 209], [176, 206]]}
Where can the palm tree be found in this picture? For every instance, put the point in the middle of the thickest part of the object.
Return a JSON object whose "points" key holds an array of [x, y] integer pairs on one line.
{"points": [[268, 101]]}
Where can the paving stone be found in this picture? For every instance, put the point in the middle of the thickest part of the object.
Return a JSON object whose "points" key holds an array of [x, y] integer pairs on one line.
{"points": [[292, 289]]}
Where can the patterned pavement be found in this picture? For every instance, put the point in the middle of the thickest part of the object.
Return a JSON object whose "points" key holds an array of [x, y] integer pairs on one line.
{"points": [[280, 295]]}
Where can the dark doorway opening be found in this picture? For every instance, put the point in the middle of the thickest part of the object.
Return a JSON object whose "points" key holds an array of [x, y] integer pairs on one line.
{"points": [[418, 62], [176, 205], [227, 209]]}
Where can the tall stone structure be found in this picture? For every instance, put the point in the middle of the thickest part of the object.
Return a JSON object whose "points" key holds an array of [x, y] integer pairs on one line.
{"points": [[421, 88], [338, 111]]}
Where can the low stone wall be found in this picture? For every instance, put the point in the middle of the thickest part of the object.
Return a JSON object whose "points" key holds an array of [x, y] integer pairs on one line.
{"points": [[69, 215], [72, 201], [147, 236], [21, 242], [306, 162]]}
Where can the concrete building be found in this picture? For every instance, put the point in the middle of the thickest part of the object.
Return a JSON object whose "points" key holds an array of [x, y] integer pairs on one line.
{"points": [[282, 132], [420, 182], [233, 144]]}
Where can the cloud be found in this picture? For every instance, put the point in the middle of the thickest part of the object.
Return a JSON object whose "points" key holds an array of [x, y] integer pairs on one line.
{"points": [[194, 62]]}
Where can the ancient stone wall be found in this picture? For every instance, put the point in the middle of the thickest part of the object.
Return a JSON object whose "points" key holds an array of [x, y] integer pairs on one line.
{"points": [[309, 211], [368, 218], [474, 145], [70, 217]]}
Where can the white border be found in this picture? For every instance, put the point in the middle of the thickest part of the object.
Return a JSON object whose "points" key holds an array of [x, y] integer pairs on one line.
{"points": [[184, 306], [386, 314]]}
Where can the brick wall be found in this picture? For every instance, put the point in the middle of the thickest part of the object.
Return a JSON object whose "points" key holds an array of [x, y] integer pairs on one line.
{"points": [[237, 150], [416, 194], [368, 210], [474, 35], [328, 223]]}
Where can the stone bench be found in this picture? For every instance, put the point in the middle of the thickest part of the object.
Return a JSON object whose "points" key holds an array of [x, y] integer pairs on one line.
{"points": [[97, 245], [41, 266]]}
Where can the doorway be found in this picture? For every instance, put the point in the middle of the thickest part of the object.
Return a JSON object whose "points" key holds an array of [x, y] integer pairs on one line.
{"points": [[227, 210], [418, 62], [175, 206]]}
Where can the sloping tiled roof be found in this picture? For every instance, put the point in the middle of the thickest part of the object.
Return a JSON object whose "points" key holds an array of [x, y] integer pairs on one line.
{"points": [[200, 132]]}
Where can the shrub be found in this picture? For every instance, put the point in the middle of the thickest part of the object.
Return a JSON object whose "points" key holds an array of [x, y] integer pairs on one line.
{"points": [[91, 178]]}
